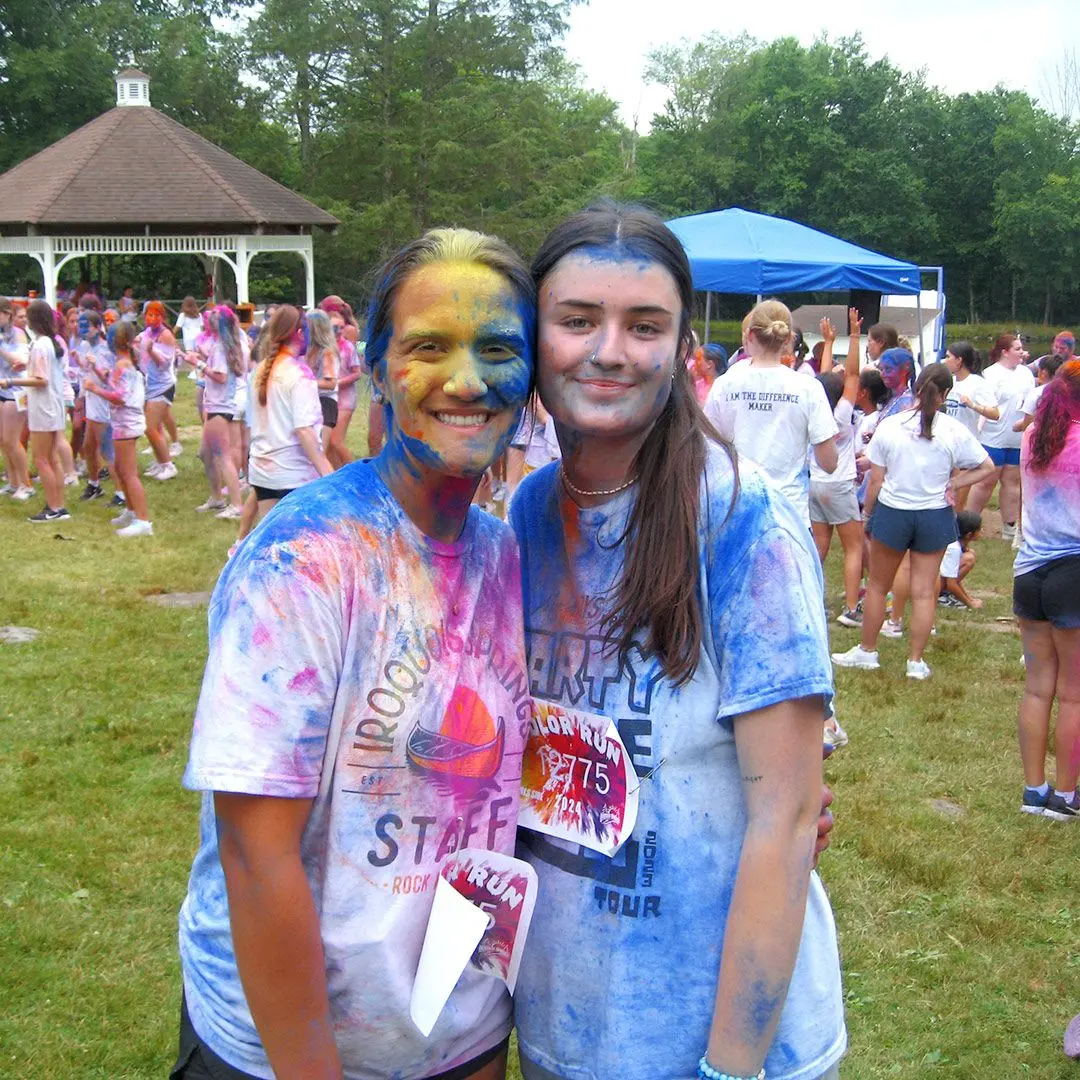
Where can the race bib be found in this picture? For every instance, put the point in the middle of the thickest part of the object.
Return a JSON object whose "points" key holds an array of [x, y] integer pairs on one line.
{"points": [[577, 781], [480, 917]]}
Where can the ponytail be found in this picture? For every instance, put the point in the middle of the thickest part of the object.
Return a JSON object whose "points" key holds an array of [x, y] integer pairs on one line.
{"points": [[931, 389], [279, 331]]}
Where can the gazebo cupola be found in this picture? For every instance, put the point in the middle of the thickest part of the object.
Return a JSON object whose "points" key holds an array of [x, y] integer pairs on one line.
{"points": [[81, 196], [132, 88]]}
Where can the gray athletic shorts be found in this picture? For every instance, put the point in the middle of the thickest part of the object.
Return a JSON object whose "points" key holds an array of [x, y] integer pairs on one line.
{"points": [[833, 502]]}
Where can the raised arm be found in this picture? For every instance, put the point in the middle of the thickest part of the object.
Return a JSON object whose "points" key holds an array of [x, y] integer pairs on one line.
{"points": [[828, 332]]}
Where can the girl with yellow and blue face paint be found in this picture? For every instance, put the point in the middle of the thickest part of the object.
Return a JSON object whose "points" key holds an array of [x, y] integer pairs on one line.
{"points": [[365, 708]]}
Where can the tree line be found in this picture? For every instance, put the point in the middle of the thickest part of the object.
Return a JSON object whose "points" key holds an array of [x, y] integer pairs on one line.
{"points": [[399, 114]]}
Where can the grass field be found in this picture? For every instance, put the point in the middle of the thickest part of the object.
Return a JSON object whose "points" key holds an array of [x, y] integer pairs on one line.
{"points": [[959, 924]]}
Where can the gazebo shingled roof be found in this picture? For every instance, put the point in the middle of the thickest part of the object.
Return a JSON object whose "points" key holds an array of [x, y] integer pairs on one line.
{"points": [[137, 167], [134, 182]]}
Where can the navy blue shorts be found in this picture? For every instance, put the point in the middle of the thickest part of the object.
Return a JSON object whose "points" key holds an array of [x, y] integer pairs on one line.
{"points": [[923, 531], [1003, 456], [1050, 593]]}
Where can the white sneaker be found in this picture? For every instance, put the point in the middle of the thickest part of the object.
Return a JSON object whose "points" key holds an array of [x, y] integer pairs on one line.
{"points": [[857, 657], [230, 513], [166, 471], [835, 735], [7, 489], [210, 504], [175, 449], [71, 479], [1008, 532], [154, 469], [918, 669], [22, 494], [125, 517], [148, 450], [137, 527], [892, 629]]}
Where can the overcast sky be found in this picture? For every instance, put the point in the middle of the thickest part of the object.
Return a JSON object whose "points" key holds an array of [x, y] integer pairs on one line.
{"points": [[964, 45]]}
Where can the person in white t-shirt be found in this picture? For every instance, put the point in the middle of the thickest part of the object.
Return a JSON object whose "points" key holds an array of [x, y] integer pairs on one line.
{"points": [[45, 377], [971, 400], [770, 413], [286, 417], [914, 458], [189, 324], [834, 500], [1048, 367], [1011, 382]]}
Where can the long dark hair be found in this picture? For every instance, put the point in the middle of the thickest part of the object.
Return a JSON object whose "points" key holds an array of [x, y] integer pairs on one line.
{"points": [[41, 318], [965, 352], [658, 590], [1057, 411], [931, 389]]}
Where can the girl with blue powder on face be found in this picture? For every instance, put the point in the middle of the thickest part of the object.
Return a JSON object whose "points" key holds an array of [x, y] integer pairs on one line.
{"points": [[364, 710], [676, 593]]}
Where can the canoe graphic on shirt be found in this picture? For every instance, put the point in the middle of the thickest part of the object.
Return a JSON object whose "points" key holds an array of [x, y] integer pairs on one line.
{"points": [[468, 743]]}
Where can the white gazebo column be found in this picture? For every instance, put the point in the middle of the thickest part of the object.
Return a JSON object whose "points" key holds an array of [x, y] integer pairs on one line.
{"points": [[48, 270], [308, 255], [243, 260]]}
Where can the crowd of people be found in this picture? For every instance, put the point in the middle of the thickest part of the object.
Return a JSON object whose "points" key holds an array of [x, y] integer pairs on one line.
{"points": [[108, 376], [670, 511]]}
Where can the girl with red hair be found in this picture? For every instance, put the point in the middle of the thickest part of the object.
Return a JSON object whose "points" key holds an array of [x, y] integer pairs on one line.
{"points": [[1046, 596]]}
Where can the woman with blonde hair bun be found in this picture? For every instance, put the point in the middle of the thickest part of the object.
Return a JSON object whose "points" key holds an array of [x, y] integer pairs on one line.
{"points": [[771, 413]]}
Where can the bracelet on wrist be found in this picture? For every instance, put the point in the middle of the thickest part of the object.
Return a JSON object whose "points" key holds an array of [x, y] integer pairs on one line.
{"points": [[706, 1072]]}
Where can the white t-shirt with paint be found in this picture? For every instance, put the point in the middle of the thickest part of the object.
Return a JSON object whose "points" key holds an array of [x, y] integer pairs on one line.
{"points": [[845, 472], [277, 460], [773, 415], [917, 470], [356, 662], [1009, 387], [976, 389]]}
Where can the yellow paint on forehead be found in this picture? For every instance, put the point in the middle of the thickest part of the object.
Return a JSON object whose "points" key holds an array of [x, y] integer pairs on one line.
{"points": [[453, 298]]}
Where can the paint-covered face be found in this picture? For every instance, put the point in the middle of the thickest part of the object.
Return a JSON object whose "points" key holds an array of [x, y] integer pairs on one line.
{"points": [[83, 325], [609, 338], [19, 318], [72, 321], [457, 368], [337, 321], [153, 320], [896, 376]]}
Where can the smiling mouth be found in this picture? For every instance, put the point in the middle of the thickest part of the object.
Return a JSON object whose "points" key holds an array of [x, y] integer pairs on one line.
{"points": [[464, 420]]}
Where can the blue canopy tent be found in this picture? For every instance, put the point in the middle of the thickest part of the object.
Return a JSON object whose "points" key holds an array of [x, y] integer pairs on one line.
{"points": [[737, 251]]}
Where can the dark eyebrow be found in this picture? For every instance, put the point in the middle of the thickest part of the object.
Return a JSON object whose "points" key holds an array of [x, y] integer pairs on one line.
{"points": [[640, 309]]}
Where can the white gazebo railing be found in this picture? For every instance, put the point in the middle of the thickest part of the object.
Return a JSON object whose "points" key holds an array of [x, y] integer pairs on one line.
{"points": [[52, 253]]}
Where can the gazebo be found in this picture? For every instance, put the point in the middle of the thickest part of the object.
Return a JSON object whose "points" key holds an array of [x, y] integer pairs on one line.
{"points": [[134, 182]]}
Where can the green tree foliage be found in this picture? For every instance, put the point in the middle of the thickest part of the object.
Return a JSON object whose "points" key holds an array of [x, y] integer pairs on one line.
{"points": [[400, 114], [828, 136]]}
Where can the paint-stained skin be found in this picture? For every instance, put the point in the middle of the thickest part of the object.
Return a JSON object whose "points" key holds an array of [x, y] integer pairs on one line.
{"points": [[614, 943], [460, 346], [609, 325]]}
